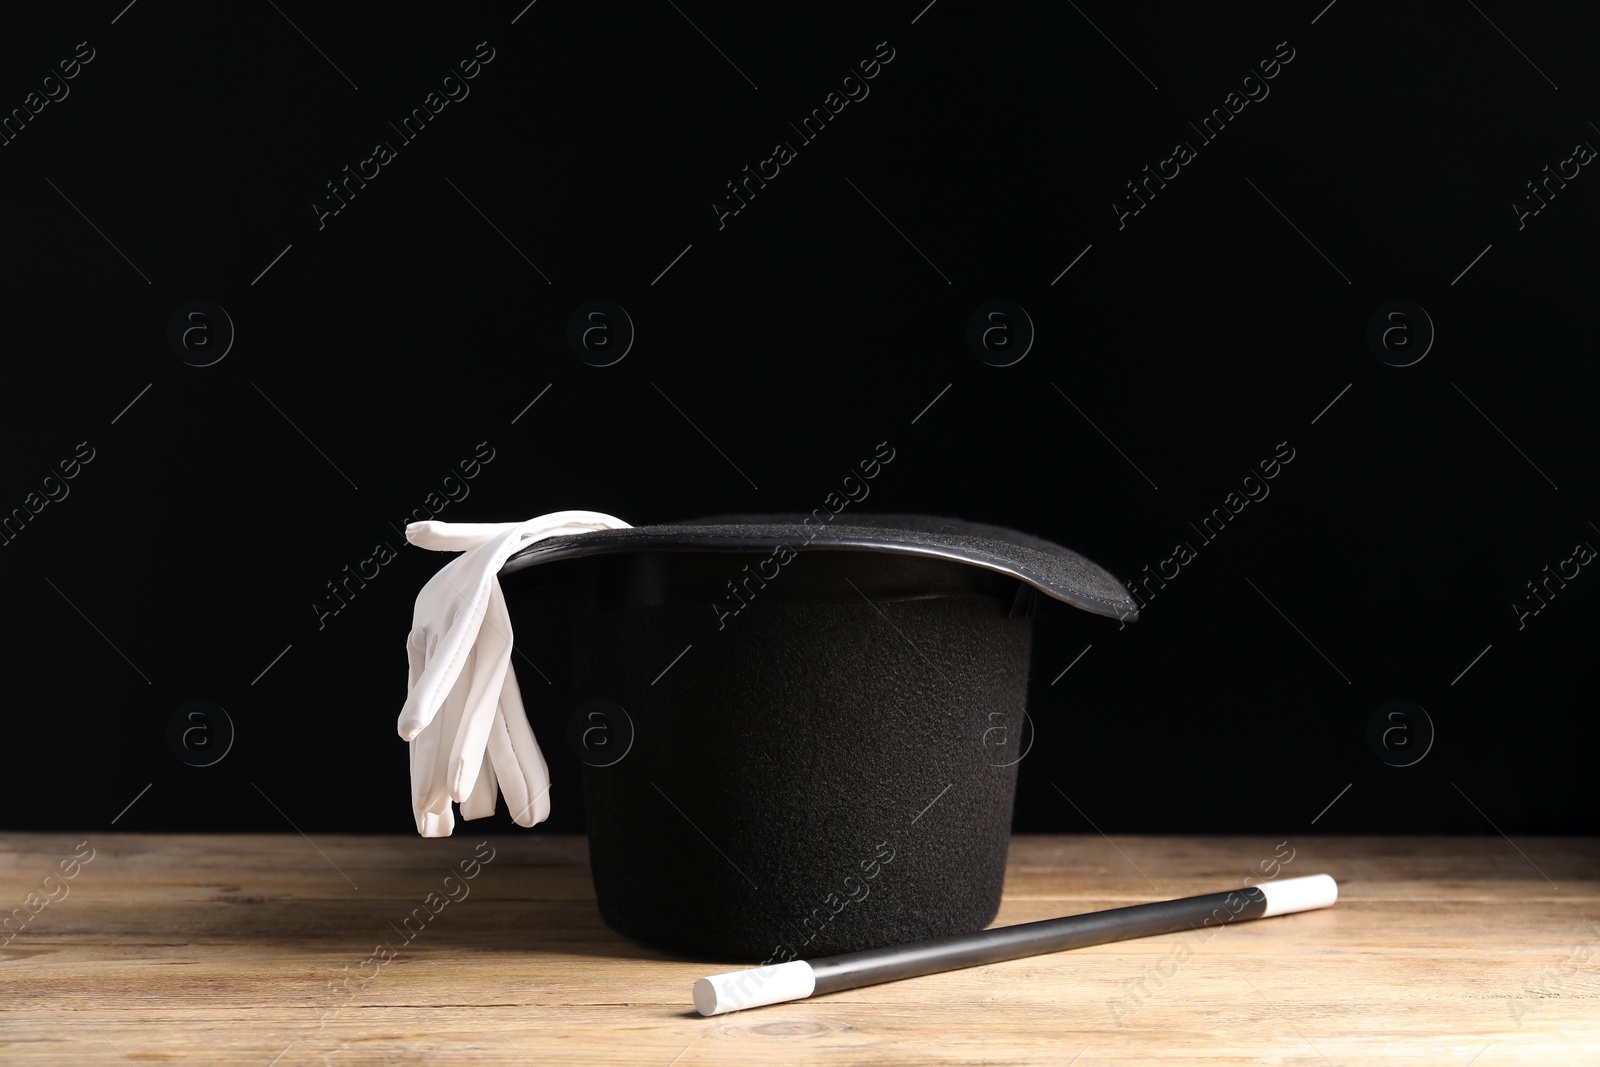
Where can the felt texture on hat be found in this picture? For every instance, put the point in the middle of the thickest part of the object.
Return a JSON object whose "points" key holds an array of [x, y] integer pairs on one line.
{"points": [[1052, 569], [831, 771]]}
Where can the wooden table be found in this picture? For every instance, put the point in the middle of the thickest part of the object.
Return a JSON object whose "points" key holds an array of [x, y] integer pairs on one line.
{"points": [[259, 949]]}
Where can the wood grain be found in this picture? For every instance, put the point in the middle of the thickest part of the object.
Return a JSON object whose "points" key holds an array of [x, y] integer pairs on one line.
{"points": [[258, 949]]}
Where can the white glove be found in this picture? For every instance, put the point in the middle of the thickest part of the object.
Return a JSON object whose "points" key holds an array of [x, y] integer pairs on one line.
{"points": [[463, 713]]}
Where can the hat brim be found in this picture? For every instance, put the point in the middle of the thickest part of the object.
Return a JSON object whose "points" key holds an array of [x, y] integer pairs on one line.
{"points": [[1054, 570]]}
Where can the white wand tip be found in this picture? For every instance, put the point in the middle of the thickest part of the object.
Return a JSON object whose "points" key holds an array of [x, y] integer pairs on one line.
{"points": [[754, 987], [1298, 894]]}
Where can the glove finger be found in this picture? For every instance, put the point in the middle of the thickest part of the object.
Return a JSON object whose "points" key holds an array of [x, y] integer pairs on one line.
{"points": [[480, 802], [433, 816], [465, 536], [416, 657], [423, 757], [524, 776], [454, 536], [484, 679], [513, 782], [419, 750], [466, 579], [435, 612], [416, 661], [436, 824], [435, 786]]}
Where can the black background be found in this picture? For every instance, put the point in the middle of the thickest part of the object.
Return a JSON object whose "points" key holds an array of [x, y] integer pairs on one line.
{"points": [[825, 317]]}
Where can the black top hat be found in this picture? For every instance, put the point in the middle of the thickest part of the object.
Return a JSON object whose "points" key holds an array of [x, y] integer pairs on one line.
{"points": [[813, 722]]}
